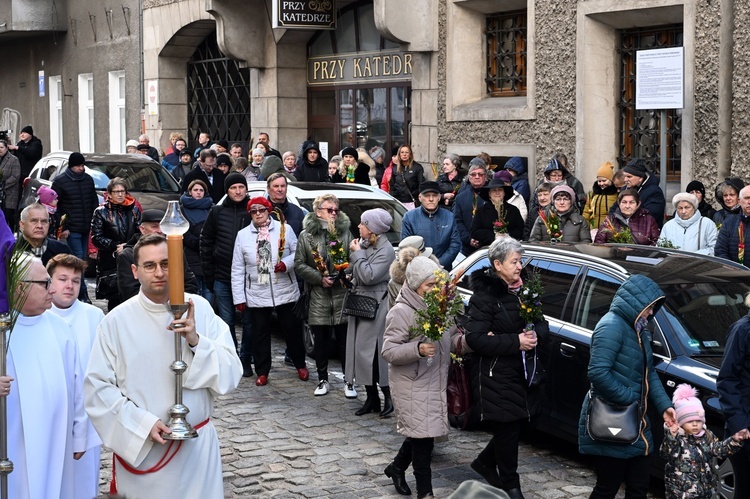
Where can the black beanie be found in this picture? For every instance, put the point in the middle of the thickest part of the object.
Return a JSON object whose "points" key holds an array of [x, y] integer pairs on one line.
{"points": [[696, 185], [27, 129], [75, 159], [636, 167], [234, 178], [350, 151]]}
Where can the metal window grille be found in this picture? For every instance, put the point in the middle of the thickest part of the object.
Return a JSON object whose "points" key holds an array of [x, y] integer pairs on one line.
{"points": [[506, 54], [639, 129], [218, 96]]}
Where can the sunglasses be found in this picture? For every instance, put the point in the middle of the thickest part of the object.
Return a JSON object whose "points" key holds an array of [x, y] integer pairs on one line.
{"points": [[331, 211], [257, 211]]}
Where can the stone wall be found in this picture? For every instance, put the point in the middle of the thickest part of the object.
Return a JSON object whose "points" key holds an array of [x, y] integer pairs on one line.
{"points": [[741, 89]]}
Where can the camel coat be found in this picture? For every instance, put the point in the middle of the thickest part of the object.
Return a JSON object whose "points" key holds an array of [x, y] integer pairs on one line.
{"points": [[364, 340]]}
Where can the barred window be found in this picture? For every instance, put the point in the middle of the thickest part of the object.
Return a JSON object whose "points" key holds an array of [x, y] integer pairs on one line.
{"points": [[506, 54]]}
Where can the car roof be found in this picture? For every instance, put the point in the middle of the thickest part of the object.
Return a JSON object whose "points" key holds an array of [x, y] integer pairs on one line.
{"points": [[311, 190], [662, 265], [95, 157]]}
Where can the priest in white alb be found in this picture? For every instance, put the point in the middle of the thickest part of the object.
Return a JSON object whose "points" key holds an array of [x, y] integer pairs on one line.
{"points": [[129, 387], [66, 272], [46, 420]]}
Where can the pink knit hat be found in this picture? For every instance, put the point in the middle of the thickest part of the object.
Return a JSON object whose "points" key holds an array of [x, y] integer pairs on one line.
{"points": [[46, 194], [687, 405]]}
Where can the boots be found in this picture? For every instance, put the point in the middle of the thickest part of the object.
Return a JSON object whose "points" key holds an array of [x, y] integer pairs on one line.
{"points": [[488, 472], [399, 479], [387, 402], [514, 493], [247, 368], [372, 404]]}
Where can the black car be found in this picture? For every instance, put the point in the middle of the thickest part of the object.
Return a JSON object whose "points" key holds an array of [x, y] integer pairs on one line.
{"points": [[705, 296]]}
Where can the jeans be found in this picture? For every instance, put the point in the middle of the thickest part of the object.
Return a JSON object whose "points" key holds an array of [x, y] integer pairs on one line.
{"points": [[78, 243], [291, 327], [225, 305], [611, 472], [203, 289]]}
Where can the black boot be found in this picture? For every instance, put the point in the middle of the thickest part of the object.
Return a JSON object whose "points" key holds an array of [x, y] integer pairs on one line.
{"points": [[514, 493], [399, 479], [372, 404], [387, 402], [488, 472], [247, 368]]}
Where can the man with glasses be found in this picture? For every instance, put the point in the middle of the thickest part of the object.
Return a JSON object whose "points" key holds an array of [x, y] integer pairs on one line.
{"points": [[208, 173], [129, 387], [76, 202], [46, 373], [467, 202]]}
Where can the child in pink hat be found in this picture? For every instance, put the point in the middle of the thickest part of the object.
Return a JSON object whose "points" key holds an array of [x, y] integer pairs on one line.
{"points": [[47, 198], [689, 446]]}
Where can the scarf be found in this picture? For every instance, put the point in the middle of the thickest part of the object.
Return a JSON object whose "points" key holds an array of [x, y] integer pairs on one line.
{"points": [[741, 246], [264, 255], [195, 210], [76, 177]]}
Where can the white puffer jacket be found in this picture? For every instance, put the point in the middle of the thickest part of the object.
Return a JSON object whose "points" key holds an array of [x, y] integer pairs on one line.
{"points": [[282, 287], [697, 234]]}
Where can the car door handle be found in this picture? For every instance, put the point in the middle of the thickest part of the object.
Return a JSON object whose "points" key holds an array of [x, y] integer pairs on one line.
{"points": [[567, 350]]}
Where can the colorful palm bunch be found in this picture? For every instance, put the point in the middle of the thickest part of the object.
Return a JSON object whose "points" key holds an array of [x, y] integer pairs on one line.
{"points": [[622, 236], [552, 223], [500, 226], [336, 250], [530, 298], [443, 303], [282, 234]]}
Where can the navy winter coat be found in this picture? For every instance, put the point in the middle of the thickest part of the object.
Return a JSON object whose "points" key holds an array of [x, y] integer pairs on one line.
{"points": [[733, 383], [728, 241], [438, 230], [463, 212]]}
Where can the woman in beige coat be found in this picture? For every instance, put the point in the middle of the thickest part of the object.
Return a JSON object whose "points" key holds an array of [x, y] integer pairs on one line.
{"points": [[418, 387]]}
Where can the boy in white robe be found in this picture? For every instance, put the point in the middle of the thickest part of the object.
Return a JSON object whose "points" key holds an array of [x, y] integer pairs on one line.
{"points": [[66, 272], [129, 387], [46, 422]]}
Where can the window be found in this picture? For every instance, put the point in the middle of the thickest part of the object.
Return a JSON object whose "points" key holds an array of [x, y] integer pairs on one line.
{"points": [[86, 112], [598, 292], [55, 113], [117, 127], [506, 54], [557, 279]]}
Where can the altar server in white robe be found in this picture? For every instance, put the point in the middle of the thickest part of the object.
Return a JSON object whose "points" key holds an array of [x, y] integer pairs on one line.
{"points": [[46, 421], [129, 387], [66, 272]]}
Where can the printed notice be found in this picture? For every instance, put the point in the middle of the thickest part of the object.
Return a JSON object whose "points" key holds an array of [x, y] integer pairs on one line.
{"points": [[659, 78]]}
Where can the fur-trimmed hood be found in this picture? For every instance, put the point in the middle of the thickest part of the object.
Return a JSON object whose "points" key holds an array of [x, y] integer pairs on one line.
{"points": [[486, 281], [398, 266], [312, 224], [365, 158]]}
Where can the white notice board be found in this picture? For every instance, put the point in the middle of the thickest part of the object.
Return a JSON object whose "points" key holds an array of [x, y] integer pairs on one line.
{"points": [[660, 78]]}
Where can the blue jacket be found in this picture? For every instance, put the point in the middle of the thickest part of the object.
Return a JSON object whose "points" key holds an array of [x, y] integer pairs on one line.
{"points": [[616, 366], [728, 240], [733, 382], [438, 230], [463, 208]]}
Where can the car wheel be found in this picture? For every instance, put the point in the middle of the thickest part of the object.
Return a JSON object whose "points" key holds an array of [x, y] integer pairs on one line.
{"points": [[725, 482]]}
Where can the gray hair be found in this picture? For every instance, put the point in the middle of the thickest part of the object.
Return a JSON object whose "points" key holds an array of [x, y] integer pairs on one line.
{"points": [[33, 206], [455, 159], [477, 167], [502, 248], [287, 154], [144, 137]]}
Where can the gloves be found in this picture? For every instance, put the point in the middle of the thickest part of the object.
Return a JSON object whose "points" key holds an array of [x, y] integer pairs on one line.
{"points": [[280, 267], [241, 307]]}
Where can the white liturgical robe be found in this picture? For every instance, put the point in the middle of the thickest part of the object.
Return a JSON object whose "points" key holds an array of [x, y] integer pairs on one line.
{"points": [[46, 422], [129, 386], [84, 320]]}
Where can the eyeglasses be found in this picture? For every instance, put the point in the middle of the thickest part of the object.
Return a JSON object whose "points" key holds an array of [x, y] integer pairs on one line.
{"points": [[257, 211], [331, 211], [150, 267], [119, 192], [477, 174], [46, 283]]}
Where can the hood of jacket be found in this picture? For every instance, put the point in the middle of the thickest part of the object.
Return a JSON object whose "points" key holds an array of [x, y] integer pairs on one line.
{"points": [[127, 203], [398, 266], [312, 224], [486, 281], [365, 158], [607, 191], [634, 296]]}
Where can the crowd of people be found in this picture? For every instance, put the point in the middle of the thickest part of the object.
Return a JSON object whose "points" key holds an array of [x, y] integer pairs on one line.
{"points": [[248, 260]]}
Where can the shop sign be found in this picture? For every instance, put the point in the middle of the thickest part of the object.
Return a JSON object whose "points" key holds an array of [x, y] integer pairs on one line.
{"points": [[359, 68], [304, 14]]}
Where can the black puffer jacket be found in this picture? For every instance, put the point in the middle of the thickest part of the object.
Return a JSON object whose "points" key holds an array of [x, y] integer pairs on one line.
{"points": [[77, 199], [312, 172], [196, 211], [405, 183], [223, 223], [497, 370], [28, 153], [113, 224]]}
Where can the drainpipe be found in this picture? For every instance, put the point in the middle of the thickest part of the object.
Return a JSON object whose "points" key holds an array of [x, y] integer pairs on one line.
{"points": [[726, 62]]}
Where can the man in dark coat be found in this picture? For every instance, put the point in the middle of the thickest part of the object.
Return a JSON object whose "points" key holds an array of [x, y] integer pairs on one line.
{"points": [[652, 198], [28, 150], [728, 242], [263, 138], [313, 167], [76, 202], [208, 173], [151, 152], [276, 186], [733, 385], [466, 204]]}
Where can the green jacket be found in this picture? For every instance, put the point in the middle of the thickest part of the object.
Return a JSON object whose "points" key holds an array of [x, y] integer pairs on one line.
{"points": [[616, 367], [325, 303]]}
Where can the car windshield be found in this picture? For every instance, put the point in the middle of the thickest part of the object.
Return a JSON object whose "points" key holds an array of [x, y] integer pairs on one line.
{"points": [[355, 207], [138, 177], [701, 313]]}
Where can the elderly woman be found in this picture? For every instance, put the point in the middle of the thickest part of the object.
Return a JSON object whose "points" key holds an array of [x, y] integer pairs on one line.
{"points": [[502, 344], [628, 215], [689, 230], [728, 195], [370, 257], [621, 358], [263, 279], [323, 227], [573, 227], [112, 226], [10, 174], [450, 180], [496, 209], [195, 205], [419, 393]]}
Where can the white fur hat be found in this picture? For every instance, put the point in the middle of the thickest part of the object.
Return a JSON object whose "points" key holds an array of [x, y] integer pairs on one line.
{"points": [[685, 196]]}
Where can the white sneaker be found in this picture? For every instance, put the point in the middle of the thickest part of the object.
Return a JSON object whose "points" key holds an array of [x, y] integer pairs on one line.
{"points": [[349, 391], [322, 388]]}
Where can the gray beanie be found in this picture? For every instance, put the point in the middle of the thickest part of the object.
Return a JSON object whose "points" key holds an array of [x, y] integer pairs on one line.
{"points": [[419, 270], [377, 220]]}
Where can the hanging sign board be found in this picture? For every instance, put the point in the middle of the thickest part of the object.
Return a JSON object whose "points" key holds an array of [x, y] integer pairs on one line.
{"points": [[304, 14], [659, 78]]}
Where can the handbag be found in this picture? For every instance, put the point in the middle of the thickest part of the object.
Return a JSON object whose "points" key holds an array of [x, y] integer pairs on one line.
{"points": [[459, 392], [356, 305], [301, 307], [106, 286], [308, 338]]}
